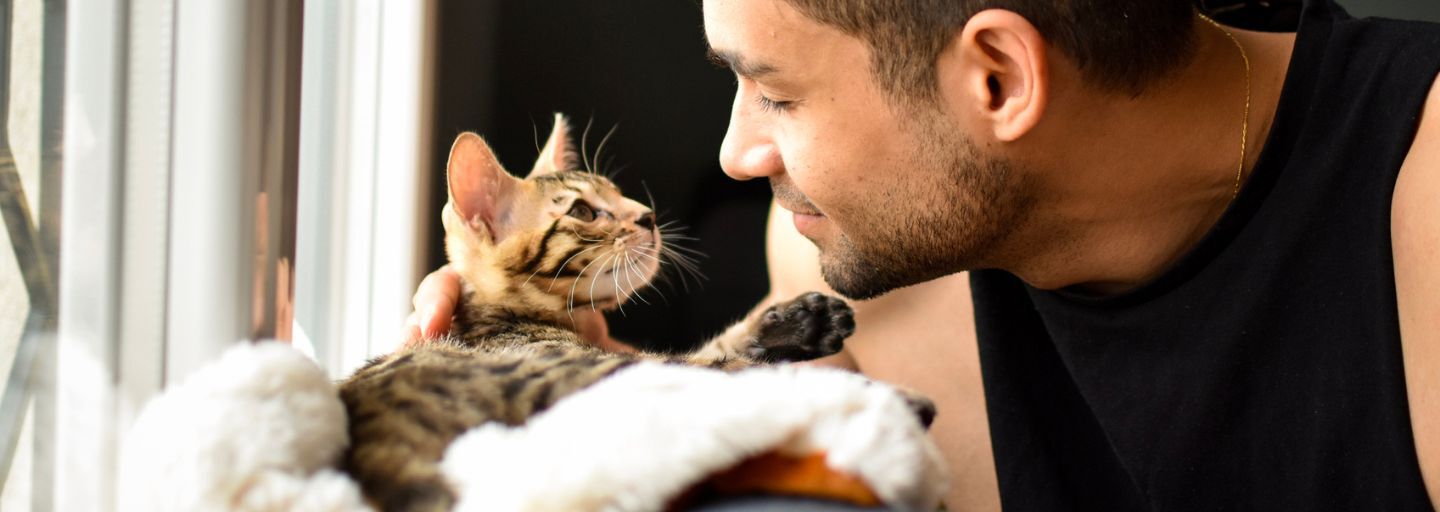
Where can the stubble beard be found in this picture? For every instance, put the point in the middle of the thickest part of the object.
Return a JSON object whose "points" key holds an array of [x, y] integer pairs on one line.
{"points": [[953, 215]]}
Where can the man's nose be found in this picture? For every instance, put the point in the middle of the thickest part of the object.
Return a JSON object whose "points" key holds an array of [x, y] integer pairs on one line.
{"points": [[748, 152]]}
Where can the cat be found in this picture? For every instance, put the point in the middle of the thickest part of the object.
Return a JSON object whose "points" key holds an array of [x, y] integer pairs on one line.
{"points": [[528, 252]]}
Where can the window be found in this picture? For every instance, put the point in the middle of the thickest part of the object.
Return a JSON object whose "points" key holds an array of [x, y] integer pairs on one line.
{"points": [[31, 58], [364, 175], [169, 184]]}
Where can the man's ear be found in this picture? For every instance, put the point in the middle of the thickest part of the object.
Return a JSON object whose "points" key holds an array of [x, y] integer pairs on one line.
{"points": [[481, 192], [557, 155], [997, 65]]}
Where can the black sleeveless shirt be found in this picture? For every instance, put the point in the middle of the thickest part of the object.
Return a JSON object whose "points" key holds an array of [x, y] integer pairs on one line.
{"points": [[1263, 370]]}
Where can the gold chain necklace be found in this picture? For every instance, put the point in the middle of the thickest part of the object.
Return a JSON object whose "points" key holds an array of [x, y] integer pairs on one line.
{"points": [[1245, 122]]}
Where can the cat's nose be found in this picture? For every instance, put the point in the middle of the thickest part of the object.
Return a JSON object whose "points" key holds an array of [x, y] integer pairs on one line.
{"points": [[646, 221]]}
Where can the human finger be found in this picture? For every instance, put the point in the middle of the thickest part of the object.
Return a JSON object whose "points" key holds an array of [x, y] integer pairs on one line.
{"points": [[435, 300]]}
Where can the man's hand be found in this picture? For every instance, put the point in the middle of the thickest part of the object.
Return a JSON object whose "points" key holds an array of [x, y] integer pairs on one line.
{"points": [[439, 293], [434, 303]]}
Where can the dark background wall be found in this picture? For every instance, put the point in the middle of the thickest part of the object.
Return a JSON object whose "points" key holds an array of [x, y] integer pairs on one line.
{"points": [[503, 66], [1428, 10], [1281, 14]]}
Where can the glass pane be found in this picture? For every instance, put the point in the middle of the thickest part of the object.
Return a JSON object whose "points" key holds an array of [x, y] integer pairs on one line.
{"points": [[22, 128], [16, 494], [31, 35], [14, 308]]}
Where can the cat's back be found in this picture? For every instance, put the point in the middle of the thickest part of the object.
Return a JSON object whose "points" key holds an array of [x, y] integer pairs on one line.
{"points": [[406, 408], [445, 387]]}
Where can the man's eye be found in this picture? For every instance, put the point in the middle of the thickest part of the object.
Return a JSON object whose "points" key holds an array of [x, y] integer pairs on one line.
{"points": [[770, 105], [582, 210]]}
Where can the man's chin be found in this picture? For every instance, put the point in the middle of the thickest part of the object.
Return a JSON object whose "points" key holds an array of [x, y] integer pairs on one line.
{"points": [[856, 282]]}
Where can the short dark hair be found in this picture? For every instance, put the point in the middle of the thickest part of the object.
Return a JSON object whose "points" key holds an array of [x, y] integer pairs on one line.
{"points": [[1119, 45]]}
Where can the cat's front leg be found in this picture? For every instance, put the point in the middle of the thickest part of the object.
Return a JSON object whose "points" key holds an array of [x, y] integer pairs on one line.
{"points": [[810, 326]]}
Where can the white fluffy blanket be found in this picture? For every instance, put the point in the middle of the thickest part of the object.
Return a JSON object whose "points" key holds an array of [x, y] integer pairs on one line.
{"points": [[261, 428]]}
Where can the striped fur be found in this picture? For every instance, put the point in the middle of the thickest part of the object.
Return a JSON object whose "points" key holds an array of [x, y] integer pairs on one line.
{"points": [[526, 260]]}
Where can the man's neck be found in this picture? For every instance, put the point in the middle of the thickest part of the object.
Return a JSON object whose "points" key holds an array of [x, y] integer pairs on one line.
{"points": [[1138, 181]]}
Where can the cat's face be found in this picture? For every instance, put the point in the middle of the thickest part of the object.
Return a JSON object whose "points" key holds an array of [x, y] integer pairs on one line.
{"points": [[560, 238]]}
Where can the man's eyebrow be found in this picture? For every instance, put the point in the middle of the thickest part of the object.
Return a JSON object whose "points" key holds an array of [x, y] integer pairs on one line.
{"points": [[738, 64]]}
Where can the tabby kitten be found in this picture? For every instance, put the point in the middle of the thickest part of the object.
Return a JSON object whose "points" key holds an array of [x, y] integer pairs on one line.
{"points": [[529, 251]]}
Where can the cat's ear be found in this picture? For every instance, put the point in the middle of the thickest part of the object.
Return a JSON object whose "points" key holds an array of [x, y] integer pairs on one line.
{"points": [[480, 189], [557, 155]]}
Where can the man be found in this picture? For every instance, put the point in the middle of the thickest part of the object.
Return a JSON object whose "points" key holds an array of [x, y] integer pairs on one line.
{"points": [[1205, 259]]}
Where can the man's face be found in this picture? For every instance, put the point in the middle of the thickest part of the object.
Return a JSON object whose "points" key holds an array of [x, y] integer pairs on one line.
{"points": [[892, 196]]}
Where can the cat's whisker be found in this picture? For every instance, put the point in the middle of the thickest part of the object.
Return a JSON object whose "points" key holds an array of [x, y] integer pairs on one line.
{"points": [[681, 247], [594, 279], [619, 291], [650, 197], [682, 267], [557, 272], [616, 173], [671, 236], [668, 230], [683, 263], [638, 273], [623, 261], [678, 257], [567, 262], [577, 283], [621, 296], [652, 257], [661, 277], [584, 143], [692, 270], [630, 268], [635, 268], [595, 164], [674, 225]]}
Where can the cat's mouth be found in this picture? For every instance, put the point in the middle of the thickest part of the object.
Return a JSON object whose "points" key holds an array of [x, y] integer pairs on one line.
{"points": [[636, 274]]}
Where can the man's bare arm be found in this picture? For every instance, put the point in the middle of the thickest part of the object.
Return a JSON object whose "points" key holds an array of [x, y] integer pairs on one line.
{"points": [[1415, 232]]}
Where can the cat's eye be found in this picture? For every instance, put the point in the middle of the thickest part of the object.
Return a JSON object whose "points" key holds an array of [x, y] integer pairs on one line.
{"points": [[582, 210]]}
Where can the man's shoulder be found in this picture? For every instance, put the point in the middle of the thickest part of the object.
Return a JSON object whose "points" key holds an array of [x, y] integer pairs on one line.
{"points": [[1422, 161], [1413, 206]]}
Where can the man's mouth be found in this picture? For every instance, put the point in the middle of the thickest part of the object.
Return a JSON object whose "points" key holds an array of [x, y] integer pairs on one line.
{"points": [[806, 223], [801, 211], [791, 199]]}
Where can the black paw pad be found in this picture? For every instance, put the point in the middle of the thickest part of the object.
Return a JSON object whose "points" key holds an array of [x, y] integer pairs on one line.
{"points": [[811, 326], [923, 407]]}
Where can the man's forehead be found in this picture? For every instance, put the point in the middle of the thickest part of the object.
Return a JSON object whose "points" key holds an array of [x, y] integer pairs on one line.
{"points": [[759, 37]]}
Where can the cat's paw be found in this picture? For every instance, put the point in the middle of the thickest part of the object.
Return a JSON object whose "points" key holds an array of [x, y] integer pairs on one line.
{"points": [[921, 405], [810, 326]]}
